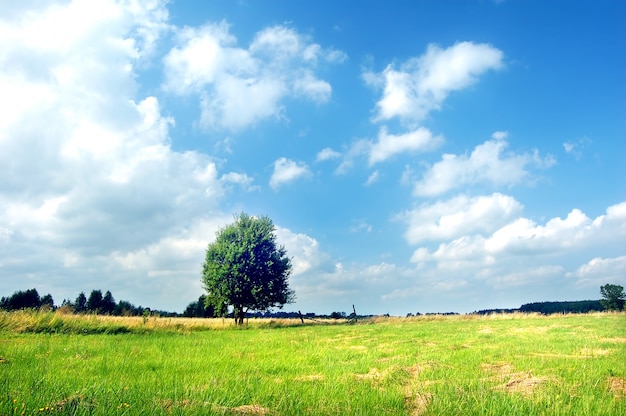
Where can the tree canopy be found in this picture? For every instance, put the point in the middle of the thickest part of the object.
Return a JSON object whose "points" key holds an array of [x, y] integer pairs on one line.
{"points": [[246, 269], [612, 297]]}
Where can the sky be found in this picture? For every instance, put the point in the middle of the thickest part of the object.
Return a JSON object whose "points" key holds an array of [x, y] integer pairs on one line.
{"points": [[415, 156]]}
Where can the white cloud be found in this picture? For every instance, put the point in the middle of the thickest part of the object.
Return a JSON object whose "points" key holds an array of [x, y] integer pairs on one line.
{"points": [[304, 251], [388, 145], [286, 170], [486, 164], [240, 179], [372, 178], [93, 194], [421, 84], [523, 238], [576, 147], [500, 135], [239, 87], [445, 220], [599, 271], [327, 154]]}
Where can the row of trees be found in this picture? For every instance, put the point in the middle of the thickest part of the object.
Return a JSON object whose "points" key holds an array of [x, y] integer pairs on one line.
{"points": [[95, 303], [24, 299]]}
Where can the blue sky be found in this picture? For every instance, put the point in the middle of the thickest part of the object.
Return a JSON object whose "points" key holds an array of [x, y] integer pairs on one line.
{"points": [[415, 156]]}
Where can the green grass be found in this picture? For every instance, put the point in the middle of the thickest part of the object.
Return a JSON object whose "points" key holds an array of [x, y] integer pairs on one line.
{"points": [[513, 365]]}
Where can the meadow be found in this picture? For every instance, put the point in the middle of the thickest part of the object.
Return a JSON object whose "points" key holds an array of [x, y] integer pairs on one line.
{"points": [[429, 365]]}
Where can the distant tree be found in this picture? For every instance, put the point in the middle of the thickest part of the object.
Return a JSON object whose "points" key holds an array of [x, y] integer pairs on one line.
{"points": [[94, 303], [612, 297], [80, 304], [338, 315], [124, 308], [199, 309], [22, 300], [108, 304], [246, 269], [47, 302]]}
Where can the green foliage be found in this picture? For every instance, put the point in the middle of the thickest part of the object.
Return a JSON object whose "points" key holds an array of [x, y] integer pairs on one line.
{"points": [[94, 303], [244, 268], [27, 299], [582, 306], [612, 297], [80, 305]]}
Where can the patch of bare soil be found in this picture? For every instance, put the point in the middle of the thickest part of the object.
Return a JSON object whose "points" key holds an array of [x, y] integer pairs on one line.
{"points": [[617, 386]]}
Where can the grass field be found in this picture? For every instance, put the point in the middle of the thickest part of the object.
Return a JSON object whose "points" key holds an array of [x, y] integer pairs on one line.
{"points": [[463, 365]]}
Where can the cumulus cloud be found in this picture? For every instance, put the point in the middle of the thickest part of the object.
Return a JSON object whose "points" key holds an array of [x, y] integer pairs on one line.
{"points": [[388, 145], [486, 164], [523, 238], [240, 86], [445, 220], [306, 255], [327, 154], [93, 194], [421, 84], [599, 271], [286, 170]]}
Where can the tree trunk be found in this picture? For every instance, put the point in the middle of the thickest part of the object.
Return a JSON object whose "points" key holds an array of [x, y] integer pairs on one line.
{"points": [[238, 314]]}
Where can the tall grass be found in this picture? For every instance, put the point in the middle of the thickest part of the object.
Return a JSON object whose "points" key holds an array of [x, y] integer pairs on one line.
{"points": [[53, 322], [491, 365]]}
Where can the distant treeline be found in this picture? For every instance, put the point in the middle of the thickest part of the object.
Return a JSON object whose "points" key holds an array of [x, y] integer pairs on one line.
{"points": [[547, 308], [96, 303], [105, 304]]}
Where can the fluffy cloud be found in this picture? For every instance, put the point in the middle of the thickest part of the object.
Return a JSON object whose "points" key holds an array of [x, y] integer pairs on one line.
{"points": [[523, 238], [387, 145], [306, 255], [486, 164], [286, 170], [240, 86], [327, 154], [421, 84], [92, 192], [599, 271], [445, 220]]}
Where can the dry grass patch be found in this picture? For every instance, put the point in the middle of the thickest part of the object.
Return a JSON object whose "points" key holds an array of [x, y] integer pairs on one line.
{"points": [[373, 374], [310, 377], [617, 386], [500, 370], [250, 409], [616, 340], [516, 382], [594, 352], [416, 401], [523, 383]]}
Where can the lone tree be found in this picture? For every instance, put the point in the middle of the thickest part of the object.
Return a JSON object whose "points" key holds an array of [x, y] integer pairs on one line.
{"points": [[244, 268], [612, 297]]}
